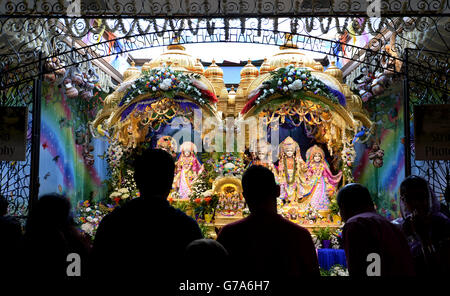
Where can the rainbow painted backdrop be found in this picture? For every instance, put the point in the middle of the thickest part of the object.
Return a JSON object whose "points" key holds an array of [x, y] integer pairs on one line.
{"points": [[384, 182], [62, 168]]}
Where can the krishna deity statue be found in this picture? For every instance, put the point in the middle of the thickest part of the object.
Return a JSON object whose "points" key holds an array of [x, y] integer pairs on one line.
{"points": [[319, 178], [187, 169], [291, 169], [168, 144], [262, 156]]}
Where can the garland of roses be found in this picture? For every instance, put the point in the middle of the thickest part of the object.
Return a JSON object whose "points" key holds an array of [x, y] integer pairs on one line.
{"points": [[170, 82], [290, 81]]}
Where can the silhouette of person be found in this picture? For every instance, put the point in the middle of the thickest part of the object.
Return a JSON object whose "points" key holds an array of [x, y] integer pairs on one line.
{"points": [[50, 236], [146, 236], [426, 227], [366, 232], [264, 244], [11, 242], [206, 259]]}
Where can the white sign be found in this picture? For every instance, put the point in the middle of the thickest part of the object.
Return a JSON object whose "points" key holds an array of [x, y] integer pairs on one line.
{"points": [[13, 133], [432, 132]]}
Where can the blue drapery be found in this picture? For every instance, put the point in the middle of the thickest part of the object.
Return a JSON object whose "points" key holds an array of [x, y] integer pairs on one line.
{"points": [[329, 257]]}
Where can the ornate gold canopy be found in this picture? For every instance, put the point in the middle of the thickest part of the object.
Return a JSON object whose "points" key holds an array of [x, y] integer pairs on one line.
{"points": [[110, 118], [339, 122]]}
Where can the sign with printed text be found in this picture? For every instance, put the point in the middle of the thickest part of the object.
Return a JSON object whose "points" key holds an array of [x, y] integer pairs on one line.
{"points": [[13, 133], [432, 132]]}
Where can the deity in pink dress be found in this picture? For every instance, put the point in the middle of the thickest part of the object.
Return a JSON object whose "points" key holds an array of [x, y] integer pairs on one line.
{"points": [[291, 168], [319, 178], [187, 169]]}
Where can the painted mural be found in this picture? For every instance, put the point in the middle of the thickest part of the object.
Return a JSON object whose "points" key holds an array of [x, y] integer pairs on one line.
{"points": [[71, 161], [383, 182]]}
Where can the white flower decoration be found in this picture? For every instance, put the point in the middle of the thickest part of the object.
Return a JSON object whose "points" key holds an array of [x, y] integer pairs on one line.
{"points": [[296, 85]]}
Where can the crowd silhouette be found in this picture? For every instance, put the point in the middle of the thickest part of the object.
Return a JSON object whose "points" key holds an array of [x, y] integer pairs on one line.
{"points": [[147, 236]]}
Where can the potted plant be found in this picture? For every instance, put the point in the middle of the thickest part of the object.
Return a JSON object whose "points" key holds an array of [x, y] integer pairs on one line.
{"points": [[323, 234], [334, 211], [209, 203]]}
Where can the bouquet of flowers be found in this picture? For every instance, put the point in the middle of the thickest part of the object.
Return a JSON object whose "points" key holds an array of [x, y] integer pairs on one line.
{"points": [[204, 203], [121, 195], [312, 215], [89, 215], [338, 270], [230, 164]]}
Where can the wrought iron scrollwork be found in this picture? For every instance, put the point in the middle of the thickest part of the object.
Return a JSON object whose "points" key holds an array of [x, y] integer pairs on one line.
{"points": [[432, 89], [217, 8]]}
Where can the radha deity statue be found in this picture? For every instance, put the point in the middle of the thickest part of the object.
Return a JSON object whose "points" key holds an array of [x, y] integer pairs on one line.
{"points": [[319, 177], [187, 169], [291, 168], [262, 156]]}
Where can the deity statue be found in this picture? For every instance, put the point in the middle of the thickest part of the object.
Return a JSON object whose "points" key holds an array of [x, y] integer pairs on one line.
{"points": [[231, 202], [291, 169], [168, 144], [187, 169], [263, 157], [319, 177]]}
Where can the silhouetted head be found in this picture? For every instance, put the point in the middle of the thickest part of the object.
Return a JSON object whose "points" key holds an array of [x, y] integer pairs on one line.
{"points": [[50, 211], [200, 253], [3, 206], [354, 199], [416, 195], [260, 189], [153, 173]]}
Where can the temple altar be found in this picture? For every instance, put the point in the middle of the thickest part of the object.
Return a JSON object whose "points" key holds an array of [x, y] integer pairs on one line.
{"points": [[307, 120]]}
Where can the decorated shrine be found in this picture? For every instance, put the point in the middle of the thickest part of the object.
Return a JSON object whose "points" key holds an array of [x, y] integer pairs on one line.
{"points": [[307, 122], [321, 93]]}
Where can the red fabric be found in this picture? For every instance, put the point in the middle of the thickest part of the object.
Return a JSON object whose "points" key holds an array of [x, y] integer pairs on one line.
{"points": [[250, 103], [209, 95]]}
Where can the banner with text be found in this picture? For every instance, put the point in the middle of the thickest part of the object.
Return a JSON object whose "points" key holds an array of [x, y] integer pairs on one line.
{"points": [[432, 132], [13, 133]]}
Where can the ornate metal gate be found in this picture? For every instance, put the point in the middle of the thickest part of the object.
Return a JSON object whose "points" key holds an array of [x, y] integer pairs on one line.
{"points": [[433, 88]]}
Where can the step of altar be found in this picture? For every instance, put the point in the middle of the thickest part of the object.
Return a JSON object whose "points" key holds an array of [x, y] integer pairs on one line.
{"points": [[221, 220]]}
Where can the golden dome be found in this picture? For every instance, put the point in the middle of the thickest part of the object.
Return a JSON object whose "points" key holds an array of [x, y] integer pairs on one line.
{"points": [[175, 54], [232, 96], [130, 72], [145, 67], [265, 67], [318, 67], [249, 71], [199, 67], [214, 71], [334, 71], [286, 56]]}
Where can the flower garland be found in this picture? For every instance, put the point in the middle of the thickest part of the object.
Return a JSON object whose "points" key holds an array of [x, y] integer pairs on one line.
{"points": [[170, 82], [290, 179], [290, 81], [230, 164]]}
